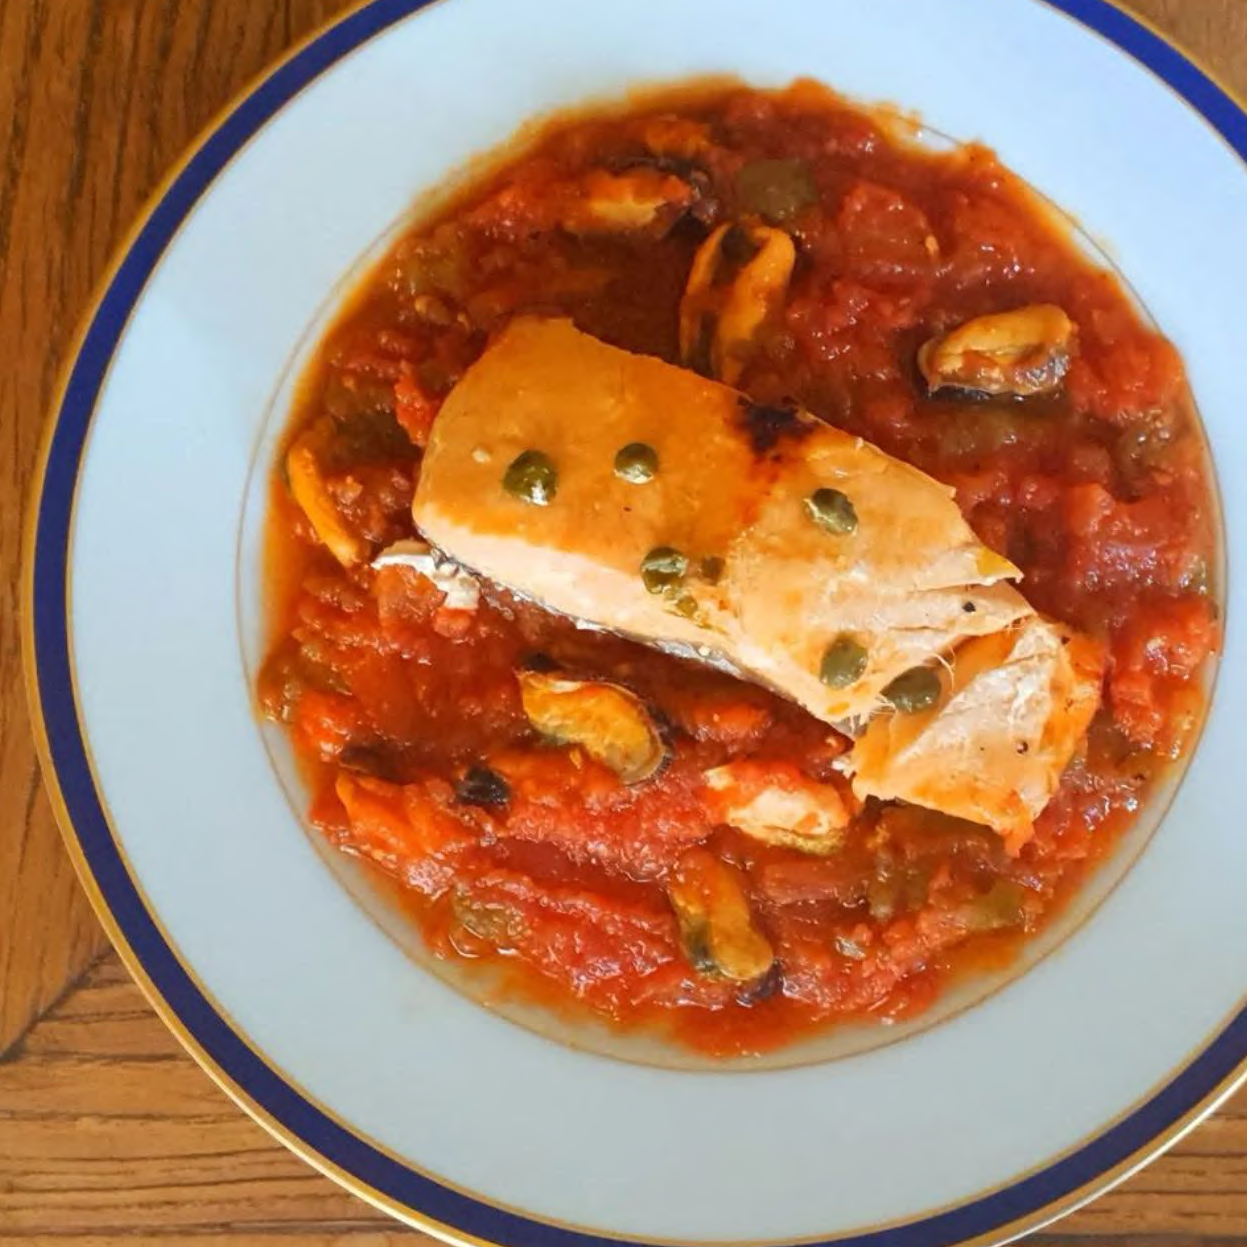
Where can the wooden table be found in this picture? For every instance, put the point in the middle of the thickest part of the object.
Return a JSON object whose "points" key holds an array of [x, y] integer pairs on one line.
{"points": [[108, 1132]]}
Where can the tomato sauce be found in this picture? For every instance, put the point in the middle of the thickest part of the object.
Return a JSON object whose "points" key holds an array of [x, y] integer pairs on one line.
{"points": [[561, 877]]}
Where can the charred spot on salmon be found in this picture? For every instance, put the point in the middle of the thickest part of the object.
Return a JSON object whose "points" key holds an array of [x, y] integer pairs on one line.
{"points": [[969, 607], [915, 690], [532, 477], [663, 569], [767, 426], [481, 786], [844, 662], [637, 463], [833, 511]]}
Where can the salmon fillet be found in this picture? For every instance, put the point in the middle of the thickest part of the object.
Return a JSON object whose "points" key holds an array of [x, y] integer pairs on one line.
{"points": [[768, 588]]}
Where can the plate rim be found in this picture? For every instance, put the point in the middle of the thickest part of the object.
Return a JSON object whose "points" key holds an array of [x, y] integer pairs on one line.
{"points": [[289, 1113]]}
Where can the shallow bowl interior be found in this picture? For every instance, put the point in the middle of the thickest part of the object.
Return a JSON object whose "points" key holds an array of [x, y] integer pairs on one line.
{"points": [[266, 964]]}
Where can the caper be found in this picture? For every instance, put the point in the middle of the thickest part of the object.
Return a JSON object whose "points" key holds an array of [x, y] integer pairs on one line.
{"points": [[844, 662], [916, 689], [637, 463], [776, 190], [663, 568], [711, 569], [686, 605], [532, 477], [832, 510]]}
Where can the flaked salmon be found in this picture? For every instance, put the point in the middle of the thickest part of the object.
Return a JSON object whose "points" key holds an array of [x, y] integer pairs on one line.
{"points": [[1013, 708]]}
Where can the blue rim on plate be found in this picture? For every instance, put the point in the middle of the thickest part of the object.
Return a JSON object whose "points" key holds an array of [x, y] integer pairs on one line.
{"points": [[263, 1091]]}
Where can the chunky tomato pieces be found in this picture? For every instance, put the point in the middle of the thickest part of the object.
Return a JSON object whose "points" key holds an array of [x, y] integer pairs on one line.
{"points": [[634, 900]]}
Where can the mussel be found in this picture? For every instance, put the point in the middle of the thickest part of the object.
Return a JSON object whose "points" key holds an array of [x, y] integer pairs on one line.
{"points": [[611, 724]]}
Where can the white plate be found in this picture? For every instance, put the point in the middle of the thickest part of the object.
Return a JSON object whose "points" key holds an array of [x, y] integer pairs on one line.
{"points": [[265, 966]]}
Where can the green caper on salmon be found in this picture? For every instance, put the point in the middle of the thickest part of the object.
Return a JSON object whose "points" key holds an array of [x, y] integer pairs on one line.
{"points": [[914, 690], [832, 510], [637, 462], [663, 568], [844, 662], [532, 477]]}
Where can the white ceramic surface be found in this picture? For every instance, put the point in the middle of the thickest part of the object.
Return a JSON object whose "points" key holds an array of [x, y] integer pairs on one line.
{"points": [[887, 1136]]}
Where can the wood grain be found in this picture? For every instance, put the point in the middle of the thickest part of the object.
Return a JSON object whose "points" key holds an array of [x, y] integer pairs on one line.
{"points": [[97, 99], [46, 932], [1214, 31], [108, 1132], [108, 1129]]}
